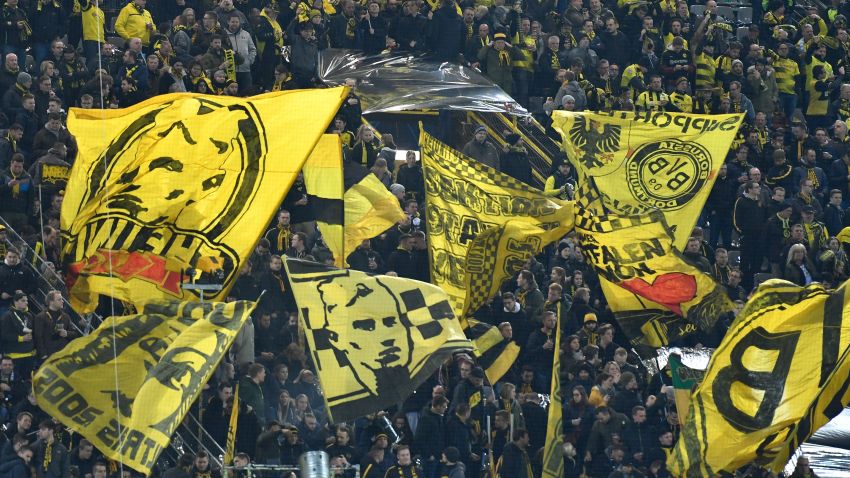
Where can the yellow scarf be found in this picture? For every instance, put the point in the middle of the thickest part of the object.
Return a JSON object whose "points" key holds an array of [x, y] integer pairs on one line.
{"points": [[810, 174], [16, 189], [48, 454], [278, 32], [231, 69], [504, 58]]}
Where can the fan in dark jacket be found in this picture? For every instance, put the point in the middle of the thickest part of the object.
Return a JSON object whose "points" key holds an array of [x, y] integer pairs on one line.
{"points": [[18, 467], [447, 32], [514, 161]]}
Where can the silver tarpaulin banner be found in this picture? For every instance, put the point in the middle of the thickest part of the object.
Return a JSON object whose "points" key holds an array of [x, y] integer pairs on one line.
{"points": [[395, 82]]}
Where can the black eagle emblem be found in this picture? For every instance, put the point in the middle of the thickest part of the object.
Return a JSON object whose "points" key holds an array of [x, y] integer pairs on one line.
{"points": [[592, 139]]}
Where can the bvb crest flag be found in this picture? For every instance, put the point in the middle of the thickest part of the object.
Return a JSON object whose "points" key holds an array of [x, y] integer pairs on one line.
{"points": [[374, 339], [465, 198], [640, 161], [180, 181], [553, 454], [780, 373], [127, 386], [635, 255]]}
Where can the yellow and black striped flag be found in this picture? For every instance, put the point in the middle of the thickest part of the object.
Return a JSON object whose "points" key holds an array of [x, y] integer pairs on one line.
{"points": [[494, 353], [323, 180], [781, 372], [373, 339], [350, 202]]}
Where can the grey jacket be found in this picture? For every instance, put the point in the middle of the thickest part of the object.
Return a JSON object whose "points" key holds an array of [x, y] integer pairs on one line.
{"points": [[243, 45]]}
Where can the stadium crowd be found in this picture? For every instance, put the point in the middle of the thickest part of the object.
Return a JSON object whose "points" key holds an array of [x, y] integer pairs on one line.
{"points": [[777, 209]]}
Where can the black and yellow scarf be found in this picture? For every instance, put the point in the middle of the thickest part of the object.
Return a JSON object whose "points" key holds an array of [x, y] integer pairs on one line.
{"points": [[231, 64]]}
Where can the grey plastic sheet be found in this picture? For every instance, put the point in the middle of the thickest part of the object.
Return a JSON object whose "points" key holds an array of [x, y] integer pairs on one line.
{"points": [[397, 82]]}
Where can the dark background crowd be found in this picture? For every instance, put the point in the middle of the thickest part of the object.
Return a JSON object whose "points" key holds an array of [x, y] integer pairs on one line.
{"points": [[777, 209]]}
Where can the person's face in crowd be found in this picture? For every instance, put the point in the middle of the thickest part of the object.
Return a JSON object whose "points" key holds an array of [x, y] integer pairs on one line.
{"points": [[202, 463], [761, 119], [136, 44], [782, 51], [153, 62], [734, 88], [225, 393], [811, 156], [188, 17], [835, 199], [17, 167], [507, 331], [693, 246], [738, 70], [226, 5], [128, 59], [382, 442], [639, 416], [29, 104], [54, 107], [595, 5], [209, 22], [755, 191], [603, 417], [219, 76], [611, 25], [468, 15], [755, 175], [797, 233], [821, 136], [721, 258], [125, 86], [483, 30], [808, 217], [24, 423], [26, 455], [233, 24], [310, 422], [265, 321], [549, 321], [404, 457], [232, 89], [798, 256], [240, 462], [553, 43], [296, 242], [342, 437], [57, 48], [374, 9], [734, 278], [655, 84], [741, 155], [7, 366]]}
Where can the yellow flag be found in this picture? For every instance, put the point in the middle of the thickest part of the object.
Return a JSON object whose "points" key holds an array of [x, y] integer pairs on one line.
{"points": [[370, 208], [632, 162], [127, 386], [177, 178], [465, 198], [635, 255], [374, 339], [780, 373], [323, 179], [493, 352], [553, 454], [230, 447], [640, 161]]}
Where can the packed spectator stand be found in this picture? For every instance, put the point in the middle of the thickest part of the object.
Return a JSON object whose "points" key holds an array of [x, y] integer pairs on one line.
{"points": [[777, 209]]}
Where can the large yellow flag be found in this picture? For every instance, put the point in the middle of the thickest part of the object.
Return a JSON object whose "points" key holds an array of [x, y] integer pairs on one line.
{"points": [[553, 453], [632, 162], [127, 386], [780, 373], [635, 255], [370, 208], [374, 339], [493, 352], [177, 182], [465, 198], [640, 161]]}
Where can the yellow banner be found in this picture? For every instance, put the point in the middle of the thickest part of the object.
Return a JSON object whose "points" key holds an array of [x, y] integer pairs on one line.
{"points": [[374, 339], [779, 375], [179, 178], [465, 198], [640, 161], [636, 257], [493, 352], [553, 454], [632, 162], [127, 386], [323, 179]]}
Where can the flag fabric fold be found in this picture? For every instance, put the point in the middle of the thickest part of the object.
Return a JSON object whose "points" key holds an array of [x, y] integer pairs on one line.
{"points": [[373, 339], [127, 386], [178, 180], [780, 373]]}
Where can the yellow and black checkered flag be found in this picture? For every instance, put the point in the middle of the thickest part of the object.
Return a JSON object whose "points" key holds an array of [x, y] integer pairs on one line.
{"points": [[465, 199], [374, 339], [780, 373]]}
